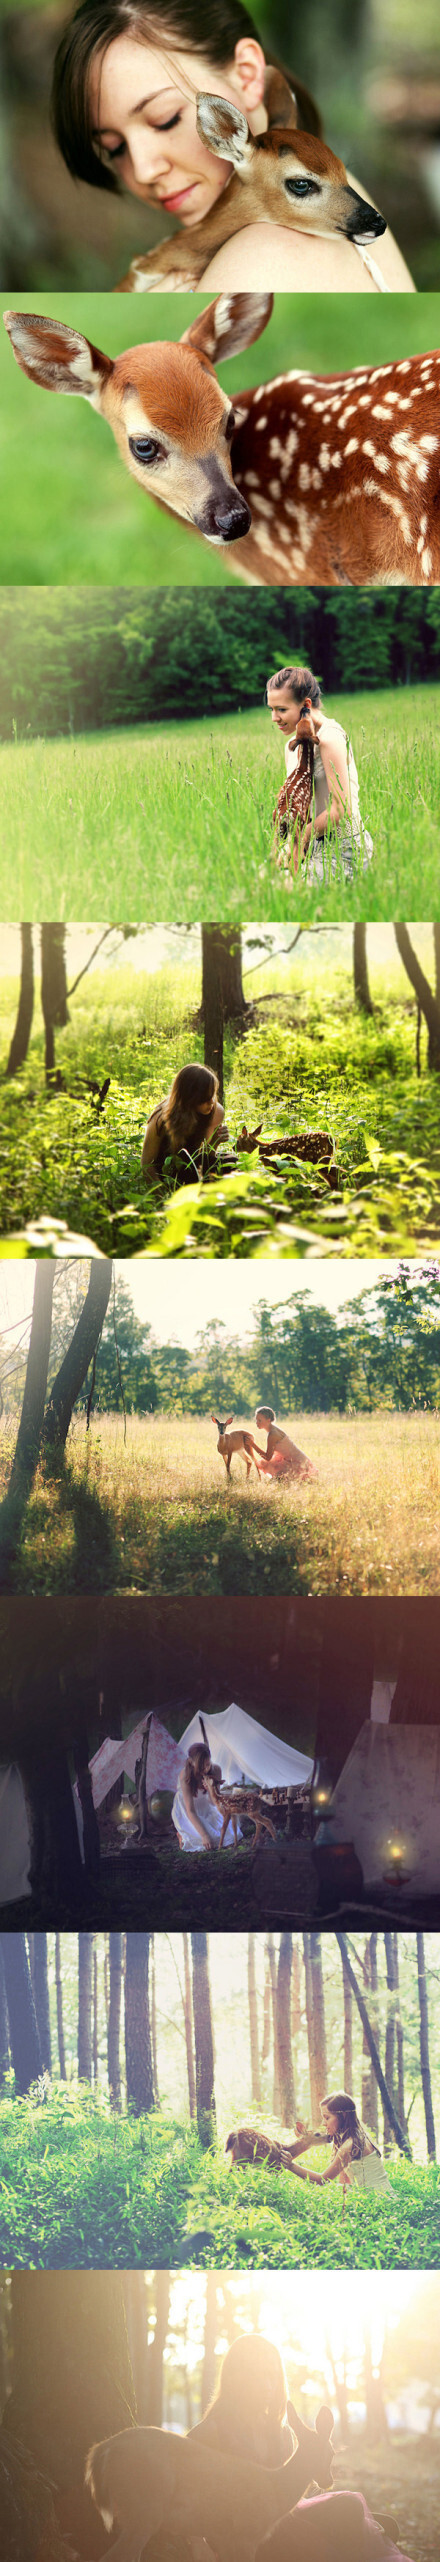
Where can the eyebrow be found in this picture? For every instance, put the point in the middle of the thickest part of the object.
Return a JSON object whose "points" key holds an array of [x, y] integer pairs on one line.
{"points": [[137, 111]]}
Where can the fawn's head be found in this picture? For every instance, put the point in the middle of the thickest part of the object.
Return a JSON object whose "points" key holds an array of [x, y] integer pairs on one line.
{"points": [[292, 176], [171, 419]]}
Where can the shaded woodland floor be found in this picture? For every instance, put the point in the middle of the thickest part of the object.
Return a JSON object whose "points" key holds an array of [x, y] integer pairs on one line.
{"points": [[403, 2477], [234, 1892]]}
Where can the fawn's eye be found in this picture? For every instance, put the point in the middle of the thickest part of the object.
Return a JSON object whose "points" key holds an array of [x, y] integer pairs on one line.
{"points": [[145, 449], [300, 187], [229, 429]]}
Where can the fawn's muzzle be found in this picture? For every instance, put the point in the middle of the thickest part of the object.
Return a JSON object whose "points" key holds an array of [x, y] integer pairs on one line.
{"points": [[363, 223], [224, 519]]}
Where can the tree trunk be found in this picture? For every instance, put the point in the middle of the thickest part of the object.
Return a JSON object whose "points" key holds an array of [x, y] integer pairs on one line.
{"points": [[23, 2031], [390, 2032], [23, 1026], [188, 2025], [138, 2055], [154, 2019], [315, 2009], [314, 2092], [90, 1826], [60, 2021], [204, 2042], [41, 1998], [114, 2019], [55, 1867], [402, 2138], [212, 1002], [369, 2085], [284, 2028], [95, 2016], [53, 988], [73, 1371], [265, 2045], [4, 2027], [424, 2047], [72, 2383], [209, 2342], [253, 2020], [429, 1005], [360, 970], [276, 2095], [348, 2037], [400, 2039], [85, 1954], [27, 1447]]}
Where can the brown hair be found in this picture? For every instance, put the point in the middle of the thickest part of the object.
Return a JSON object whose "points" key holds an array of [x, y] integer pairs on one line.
{"points": [[301, 682], [184, 1114], [178, 24], [198, 1760], [252, 2382], [349, 2125]]}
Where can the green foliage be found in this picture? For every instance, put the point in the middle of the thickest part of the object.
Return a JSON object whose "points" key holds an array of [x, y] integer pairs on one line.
{"points": [[70, 513], [310, 1062], [82, 2189], [176, 820]]}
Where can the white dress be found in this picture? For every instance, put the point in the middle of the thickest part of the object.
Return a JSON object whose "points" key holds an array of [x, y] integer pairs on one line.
{"points": [[354, 844], [208, 1815]]}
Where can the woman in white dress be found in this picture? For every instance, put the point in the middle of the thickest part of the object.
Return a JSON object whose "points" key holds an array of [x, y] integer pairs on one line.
{"points": [[356, 2160], [334, 837], [198, 1823]]}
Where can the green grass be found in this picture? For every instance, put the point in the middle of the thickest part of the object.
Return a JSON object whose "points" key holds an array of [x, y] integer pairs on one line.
{"points": [[82, 2189], [69, 510], [176, 819], [310, 1061], [155, 1514]]}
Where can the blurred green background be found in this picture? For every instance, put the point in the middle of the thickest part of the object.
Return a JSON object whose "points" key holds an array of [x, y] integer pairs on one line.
{"points": [[372, 65], [70, 512]]}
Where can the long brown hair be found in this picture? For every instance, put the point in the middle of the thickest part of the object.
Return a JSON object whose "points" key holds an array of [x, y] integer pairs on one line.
{"points": [[198, 1760], [252, 2384], [349, 2125], [179, 25], [184, 1115]]}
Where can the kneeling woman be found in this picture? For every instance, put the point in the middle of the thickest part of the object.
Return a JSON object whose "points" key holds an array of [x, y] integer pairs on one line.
{"points": [[198, 1823], [189, 1118], [318, 824], [281, 1457], [356, 2160]]}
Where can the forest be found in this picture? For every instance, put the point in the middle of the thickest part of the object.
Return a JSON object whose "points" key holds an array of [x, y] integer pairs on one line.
{"points": [[367, 2348], [141, 1499], [127, 2059], [326, 1046]]}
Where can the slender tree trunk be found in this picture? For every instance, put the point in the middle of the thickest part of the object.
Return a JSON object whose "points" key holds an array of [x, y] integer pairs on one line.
{"points": [[253, 2020], [90, 1826], [154, 2018], [348, 2038], [85, 1954], [265, 2047], [374, 1981], [399, 2039], [4, 2027], [73, 1371], [162, 2286], [390, 2032], [41, 1997], [204, 2043], [53, 988], [188, 2026], [369, 2086], [318, 1995], [212, 1001], [23, 1025], [210, 2340], [360, 970], [23, 2030], [314, 2092], [138, 2055], [424, 2047], [429, 1003], [95, 2016], [284, 2027], [60, 2020], [114, 2018], [400, 2132], [27, 1447], [276, 2094]]}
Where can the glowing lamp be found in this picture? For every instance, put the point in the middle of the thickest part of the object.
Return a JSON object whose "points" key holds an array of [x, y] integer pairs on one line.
{"points": [[395, 1872]]}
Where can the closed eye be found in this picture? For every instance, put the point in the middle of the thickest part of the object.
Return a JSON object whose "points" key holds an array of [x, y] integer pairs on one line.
{"points": [[145, 449], [301, 187]]}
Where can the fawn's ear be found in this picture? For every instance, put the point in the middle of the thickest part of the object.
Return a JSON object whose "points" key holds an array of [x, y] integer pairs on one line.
{"points": [[229, 1419], [59, 359], [228, 325], [279, 100], [225, 130]]}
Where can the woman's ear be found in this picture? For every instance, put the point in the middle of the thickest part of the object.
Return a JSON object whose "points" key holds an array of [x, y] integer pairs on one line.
{"points": [[249, 68]]}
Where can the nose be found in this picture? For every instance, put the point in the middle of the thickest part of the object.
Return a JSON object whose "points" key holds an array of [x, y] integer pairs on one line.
{"points": [[148, 154], [225, 519], [363, 222]]}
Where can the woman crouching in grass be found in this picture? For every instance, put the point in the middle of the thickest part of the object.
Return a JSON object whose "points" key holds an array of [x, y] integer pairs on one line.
{"points": [[189, 1119], [281, 1457], [356, 2160]]}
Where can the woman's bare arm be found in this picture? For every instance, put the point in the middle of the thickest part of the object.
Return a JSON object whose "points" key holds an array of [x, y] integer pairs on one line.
{"points": [[194, 1819], [266, 255]]}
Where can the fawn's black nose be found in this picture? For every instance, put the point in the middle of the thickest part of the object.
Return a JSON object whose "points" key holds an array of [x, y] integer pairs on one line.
{"points": [[224, 520], [363, 222]]}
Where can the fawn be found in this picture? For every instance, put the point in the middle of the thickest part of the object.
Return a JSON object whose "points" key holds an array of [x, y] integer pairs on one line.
{"points": [[329, 482], [238, 1440], [281, 176], [147, 2478]]}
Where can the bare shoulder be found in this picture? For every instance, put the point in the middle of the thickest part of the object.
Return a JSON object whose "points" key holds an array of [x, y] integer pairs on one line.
{"points": [[263, 256]]}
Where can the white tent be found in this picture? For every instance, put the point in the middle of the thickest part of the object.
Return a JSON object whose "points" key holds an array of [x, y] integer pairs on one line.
{"points": [[387, 1802], [246, 1750], [115, 1756]]}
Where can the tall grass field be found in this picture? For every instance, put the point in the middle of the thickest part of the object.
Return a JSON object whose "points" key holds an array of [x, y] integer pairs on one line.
{"points": [[175, 820], [156, 1513]]}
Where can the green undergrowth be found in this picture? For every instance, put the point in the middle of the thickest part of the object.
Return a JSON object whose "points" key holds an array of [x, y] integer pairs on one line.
{"points": [[80, 2188], [310, 1061]]}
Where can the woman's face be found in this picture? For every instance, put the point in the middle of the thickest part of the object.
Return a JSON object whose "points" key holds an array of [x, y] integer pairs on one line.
{"points": [[330, 2122], [144, 115], [284, 709]]}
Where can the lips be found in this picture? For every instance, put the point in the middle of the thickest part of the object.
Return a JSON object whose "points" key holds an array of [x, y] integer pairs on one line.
{"points": [[172, 203]]}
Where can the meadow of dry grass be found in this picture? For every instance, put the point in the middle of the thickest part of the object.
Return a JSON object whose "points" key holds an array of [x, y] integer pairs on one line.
{"points": [[157, 1514]]}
